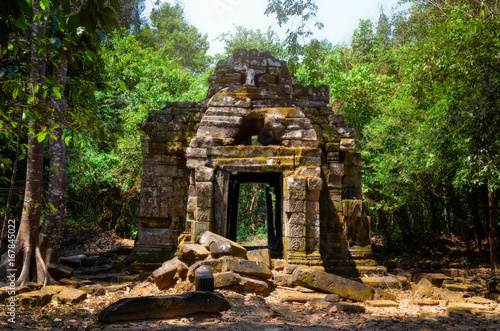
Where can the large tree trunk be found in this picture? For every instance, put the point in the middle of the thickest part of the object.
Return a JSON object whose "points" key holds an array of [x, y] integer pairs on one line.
{"points": [[492, 228], [54, 223], [28, 255]]}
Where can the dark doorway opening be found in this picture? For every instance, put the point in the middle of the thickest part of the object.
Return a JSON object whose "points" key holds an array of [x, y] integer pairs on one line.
{"points": [[271, 189]]}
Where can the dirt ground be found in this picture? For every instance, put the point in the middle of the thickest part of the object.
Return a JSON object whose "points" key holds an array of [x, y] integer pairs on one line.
{"points": [[249, 311]]}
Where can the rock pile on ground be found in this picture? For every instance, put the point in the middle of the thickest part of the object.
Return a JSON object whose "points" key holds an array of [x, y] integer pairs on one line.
{"points": [[235, 268], [232, 266]]}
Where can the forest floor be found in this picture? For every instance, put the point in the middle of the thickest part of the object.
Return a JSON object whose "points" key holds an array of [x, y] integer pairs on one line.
{"points": [[270, 312]]}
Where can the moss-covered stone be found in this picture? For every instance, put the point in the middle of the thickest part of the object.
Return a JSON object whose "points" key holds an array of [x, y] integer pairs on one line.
{"points": [[323, 281]]}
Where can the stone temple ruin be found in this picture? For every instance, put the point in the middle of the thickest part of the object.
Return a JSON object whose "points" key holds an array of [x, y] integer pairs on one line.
{"points": [[257, 125]]}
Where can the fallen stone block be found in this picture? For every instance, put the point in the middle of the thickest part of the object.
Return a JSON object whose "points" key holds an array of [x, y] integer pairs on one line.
{"points": [[246, 267], [332, 298], [94, 289], [346, 308], [151, 307], [34, 299], [383, 295], [319, 303], [118, 287], [223, 247], [382, 303], [423, 288], [168, 273], [283, 280], [462, 287], [260, 255], [191, 253], [427, 302], [54, 289], [226, 279], [254, 285], [59, 271], [71, 295], [386, 282], [480, 301], [323, 281], [445, 294], [294, 296], [436, 279]]}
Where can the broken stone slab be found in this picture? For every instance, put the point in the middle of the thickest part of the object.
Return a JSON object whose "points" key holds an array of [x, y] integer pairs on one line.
{"points": [[151, 307], [445, 294], [260, 255], [342, 307], [423, 288], [429, 316], [278, 264], [168, 273], [226, 279], [118, 287], [462, 287], [323, 281], [436, 279], [332, 298], [246, 267], [59, 271], [429, 302], [34, 299], [383, 295], [94, 289], [480, 301], [319, 303], [385, 282], [382, 303], [254, 285], [293, 296], [54, 289], [282, 280], [222, 245], [191, 253], [473, 306], [71, 295]]}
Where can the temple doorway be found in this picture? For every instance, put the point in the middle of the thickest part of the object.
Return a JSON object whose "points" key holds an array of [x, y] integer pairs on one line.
{"points": [[255, 210]]}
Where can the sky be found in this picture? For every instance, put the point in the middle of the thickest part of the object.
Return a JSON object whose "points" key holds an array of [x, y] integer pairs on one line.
{"points": [[214, 17]]}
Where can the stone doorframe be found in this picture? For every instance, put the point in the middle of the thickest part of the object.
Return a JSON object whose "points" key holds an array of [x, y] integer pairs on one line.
{"points": [[219, 149]]}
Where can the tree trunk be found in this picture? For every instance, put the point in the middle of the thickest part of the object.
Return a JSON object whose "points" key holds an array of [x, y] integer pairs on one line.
{"points": [[477, 224], [463, 223], [11, 187], [28, 255], [492, 228], [385, 229], [54, 223], [436, 228]]}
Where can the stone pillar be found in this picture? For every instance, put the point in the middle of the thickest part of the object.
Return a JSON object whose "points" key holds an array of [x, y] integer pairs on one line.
{"points": [[162, 208], [204, 177]]}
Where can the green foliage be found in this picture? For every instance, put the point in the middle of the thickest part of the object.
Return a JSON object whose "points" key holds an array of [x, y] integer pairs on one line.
{"points": [[178, 39], [252, 221], [250, 39], [299, 13]]}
